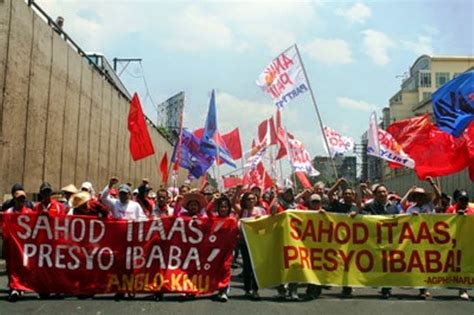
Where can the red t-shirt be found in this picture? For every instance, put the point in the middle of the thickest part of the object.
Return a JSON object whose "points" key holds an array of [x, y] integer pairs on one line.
{"points": [[24, 210], [454, 209], [54, 208]]}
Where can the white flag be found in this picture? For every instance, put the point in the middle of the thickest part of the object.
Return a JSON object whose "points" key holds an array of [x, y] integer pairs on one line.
{"points": [[338, 144], [299, 157], [284, 77], [381, 144]]}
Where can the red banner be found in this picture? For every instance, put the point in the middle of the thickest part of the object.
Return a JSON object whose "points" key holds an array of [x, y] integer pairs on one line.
{"points": [[81, 255]]}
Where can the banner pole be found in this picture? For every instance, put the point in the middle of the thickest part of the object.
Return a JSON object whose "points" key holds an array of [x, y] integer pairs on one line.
{"points": [[317, 112], [289, 154]]}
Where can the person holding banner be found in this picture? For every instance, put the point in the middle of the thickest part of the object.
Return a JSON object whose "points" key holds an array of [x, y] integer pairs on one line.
{"points": [[48, 205], [162, 206], [223, 209], [123, 207], [286, 201], [421, 201], [347, 206], [194, 205], [380, 205], [248, 209], [19, 206], [82, 203]]}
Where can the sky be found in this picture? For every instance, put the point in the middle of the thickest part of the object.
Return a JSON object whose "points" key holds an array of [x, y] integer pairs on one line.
{"points": [[355, 54]]}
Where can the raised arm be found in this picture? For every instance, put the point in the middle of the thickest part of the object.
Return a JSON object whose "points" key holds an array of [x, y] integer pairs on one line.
{"points": [[436, 189], [105, 196], [334, 188]]}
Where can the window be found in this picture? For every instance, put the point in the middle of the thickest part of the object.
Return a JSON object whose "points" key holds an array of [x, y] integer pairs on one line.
{"points": [[425, 79], [426, 95], [441, 78]]}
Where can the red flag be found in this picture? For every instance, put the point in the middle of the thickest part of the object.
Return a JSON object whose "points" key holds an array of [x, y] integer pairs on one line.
{"points": [[267, 129], [258, 177], [232, 141], [469, 136], [230, 182], [435, 152], [140, 141], [198, 132], [164, 168], [303, 180], [282, 151]]}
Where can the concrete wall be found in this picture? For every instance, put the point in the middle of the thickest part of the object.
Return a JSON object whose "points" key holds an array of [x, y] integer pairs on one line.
{"points": [[448, 184], [60, 120]]}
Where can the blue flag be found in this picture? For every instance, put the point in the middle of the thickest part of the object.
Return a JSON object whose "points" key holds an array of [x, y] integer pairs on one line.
{"points": [[192, 158], [208, 144], [453, 104]]}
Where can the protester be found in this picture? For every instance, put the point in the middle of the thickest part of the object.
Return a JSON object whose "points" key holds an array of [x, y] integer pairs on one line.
{"points": [[48, 205], [162, 207], [443, 204], [223, 209], [319, 189], [248, 209], [142, 198], [19, 206], [194, 205], [11, 202], [461, 205], [123, 207], [67, 192], [346, 205], [82, 203], [286, 201], [87, 186], [380, 205]]}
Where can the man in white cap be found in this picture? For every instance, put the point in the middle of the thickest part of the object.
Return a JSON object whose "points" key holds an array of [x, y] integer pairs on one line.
{"points": [[123, 207]]}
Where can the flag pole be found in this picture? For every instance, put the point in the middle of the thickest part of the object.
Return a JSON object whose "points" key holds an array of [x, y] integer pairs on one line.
{"points": [[290, 153], [317, 112], [218, 169]]}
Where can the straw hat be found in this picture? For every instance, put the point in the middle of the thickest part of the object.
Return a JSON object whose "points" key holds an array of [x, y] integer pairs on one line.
{"points": [[196, 197], [418, 191], [70, 189], [79, 199]]}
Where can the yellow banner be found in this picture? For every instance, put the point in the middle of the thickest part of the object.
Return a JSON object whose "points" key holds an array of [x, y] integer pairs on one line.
{"points": [[334, 249]]}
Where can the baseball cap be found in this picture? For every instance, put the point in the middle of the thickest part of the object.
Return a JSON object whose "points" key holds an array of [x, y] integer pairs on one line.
{"points": [[45, 186], [315, 197], [124, 188]]}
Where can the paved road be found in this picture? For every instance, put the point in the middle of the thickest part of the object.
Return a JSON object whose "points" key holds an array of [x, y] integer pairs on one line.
{"points": [[365, 301]]}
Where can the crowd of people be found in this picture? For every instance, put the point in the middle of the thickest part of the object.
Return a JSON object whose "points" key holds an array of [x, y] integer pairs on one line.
{"points": [[124, 202]]}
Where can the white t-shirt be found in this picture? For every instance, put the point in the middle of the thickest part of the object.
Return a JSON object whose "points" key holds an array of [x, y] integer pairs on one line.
{"points": [[129, 211], [426, 208]]}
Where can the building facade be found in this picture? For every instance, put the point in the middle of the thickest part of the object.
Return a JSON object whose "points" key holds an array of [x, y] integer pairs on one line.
{"points": [[346, 167]]}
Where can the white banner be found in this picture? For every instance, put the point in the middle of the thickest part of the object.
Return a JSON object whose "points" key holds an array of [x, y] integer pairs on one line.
{"points": [[300, 158], [381, 144], [284, 78], [338, 144]]}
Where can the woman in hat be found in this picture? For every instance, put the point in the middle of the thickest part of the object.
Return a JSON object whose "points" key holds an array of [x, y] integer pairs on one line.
{"points": [[82, 203], [417, 200], [67, 192], [194, 205]]}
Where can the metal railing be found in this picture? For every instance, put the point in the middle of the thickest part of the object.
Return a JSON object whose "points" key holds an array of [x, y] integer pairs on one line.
{"points": [[82, 53]]}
